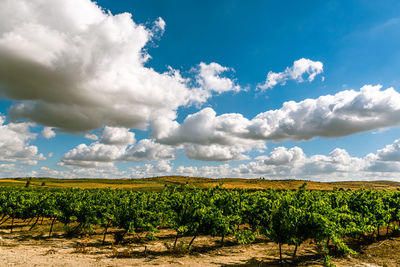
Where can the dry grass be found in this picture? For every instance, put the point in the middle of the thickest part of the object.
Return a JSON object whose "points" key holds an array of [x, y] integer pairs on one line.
{"points": [[158, 183]]}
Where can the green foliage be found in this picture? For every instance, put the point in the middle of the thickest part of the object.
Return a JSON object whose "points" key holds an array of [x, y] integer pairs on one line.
{"points": [[285, 216]]}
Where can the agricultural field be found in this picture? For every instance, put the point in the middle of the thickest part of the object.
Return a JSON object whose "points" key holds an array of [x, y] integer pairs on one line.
{"points": [[198, 222], [158, 183]]}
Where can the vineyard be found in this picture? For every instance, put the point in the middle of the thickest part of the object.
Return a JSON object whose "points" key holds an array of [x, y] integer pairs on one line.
{"points": [[332, 219]]}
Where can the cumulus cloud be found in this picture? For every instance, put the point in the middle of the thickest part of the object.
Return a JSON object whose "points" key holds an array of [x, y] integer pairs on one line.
{"points": [[345, 113], [208, 137], [283, 156], [296, 72], [48, 132], [390, 152], [82, 172], [117, 136], [204, 128], [74, 77], [149, 150], [284, 163], [12, 170], [14, 143], [280, 163], [215, 152], [94, 155], [293, 163], [209, 78], [220, 171], [161, 168], [386, 160], [116, 145], [342, 114]]}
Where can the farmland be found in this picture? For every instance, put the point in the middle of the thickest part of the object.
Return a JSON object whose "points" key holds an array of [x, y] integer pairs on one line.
{"points": [[158, 183], [168, 217]]}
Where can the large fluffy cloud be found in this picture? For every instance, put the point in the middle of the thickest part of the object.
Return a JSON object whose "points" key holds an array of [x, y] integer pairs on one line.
{"points": [[296, 72], [208, 137], [14, 143], [94, 155], [84, 68], [345, 113]]}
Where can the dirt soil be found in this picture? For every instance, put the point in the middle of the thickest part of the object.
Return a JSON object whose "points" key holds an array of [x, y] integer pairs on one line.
{"points": [[25, 248]]}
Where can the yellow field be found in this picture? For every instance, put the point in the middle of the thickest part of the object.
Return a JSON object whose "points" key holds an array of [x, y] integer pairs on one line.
{"points": [[157, 183]]}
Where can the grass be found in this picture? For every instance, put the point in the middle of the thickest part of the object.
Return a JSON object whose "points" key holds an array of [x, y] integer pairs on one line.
{"points": [[158, 183]]}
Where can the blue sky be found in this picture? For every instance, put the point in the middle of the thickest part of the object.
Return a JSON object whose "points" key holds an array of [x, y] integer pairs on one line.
{"points": [[121, 77]]}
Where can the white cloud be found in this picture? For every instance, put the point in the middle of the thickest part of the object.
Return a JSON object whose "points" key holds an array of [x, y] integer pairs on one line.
{"points": [[220, 171], [390, 152], [187, 171], [296, 72], [160, 168], [149, 150], [12, 170], [203, 128], [284, 163], [386, 160], [215, 152], [160, 24], [84, 172], [210, 80], [345, 113], [342, 114], [48, 132], [91, 137], [208, 137], [283, 156], [74, 77], [94, 155], [116, 145], [14, 143], [280, 163], [117, 136]]}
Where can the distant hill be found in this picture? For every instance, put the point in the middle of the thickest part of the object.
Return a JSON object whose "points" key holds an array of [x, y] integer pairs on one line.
{"points": [[157, 183]]}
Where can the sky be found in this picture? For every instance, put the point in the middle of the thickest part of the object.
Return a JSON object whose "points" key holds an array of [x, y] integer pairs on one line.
{"points": [[129, 89]]}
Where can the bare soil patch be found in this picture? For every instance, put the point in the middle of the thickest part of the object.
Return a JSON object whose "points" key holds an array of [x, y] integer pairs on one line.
{"points": [[34, 248]]}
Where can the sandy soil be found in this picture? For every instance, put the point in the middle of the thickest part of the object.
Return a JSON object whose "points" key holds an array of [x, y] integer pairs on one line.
{"points": [[23, 248]]}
